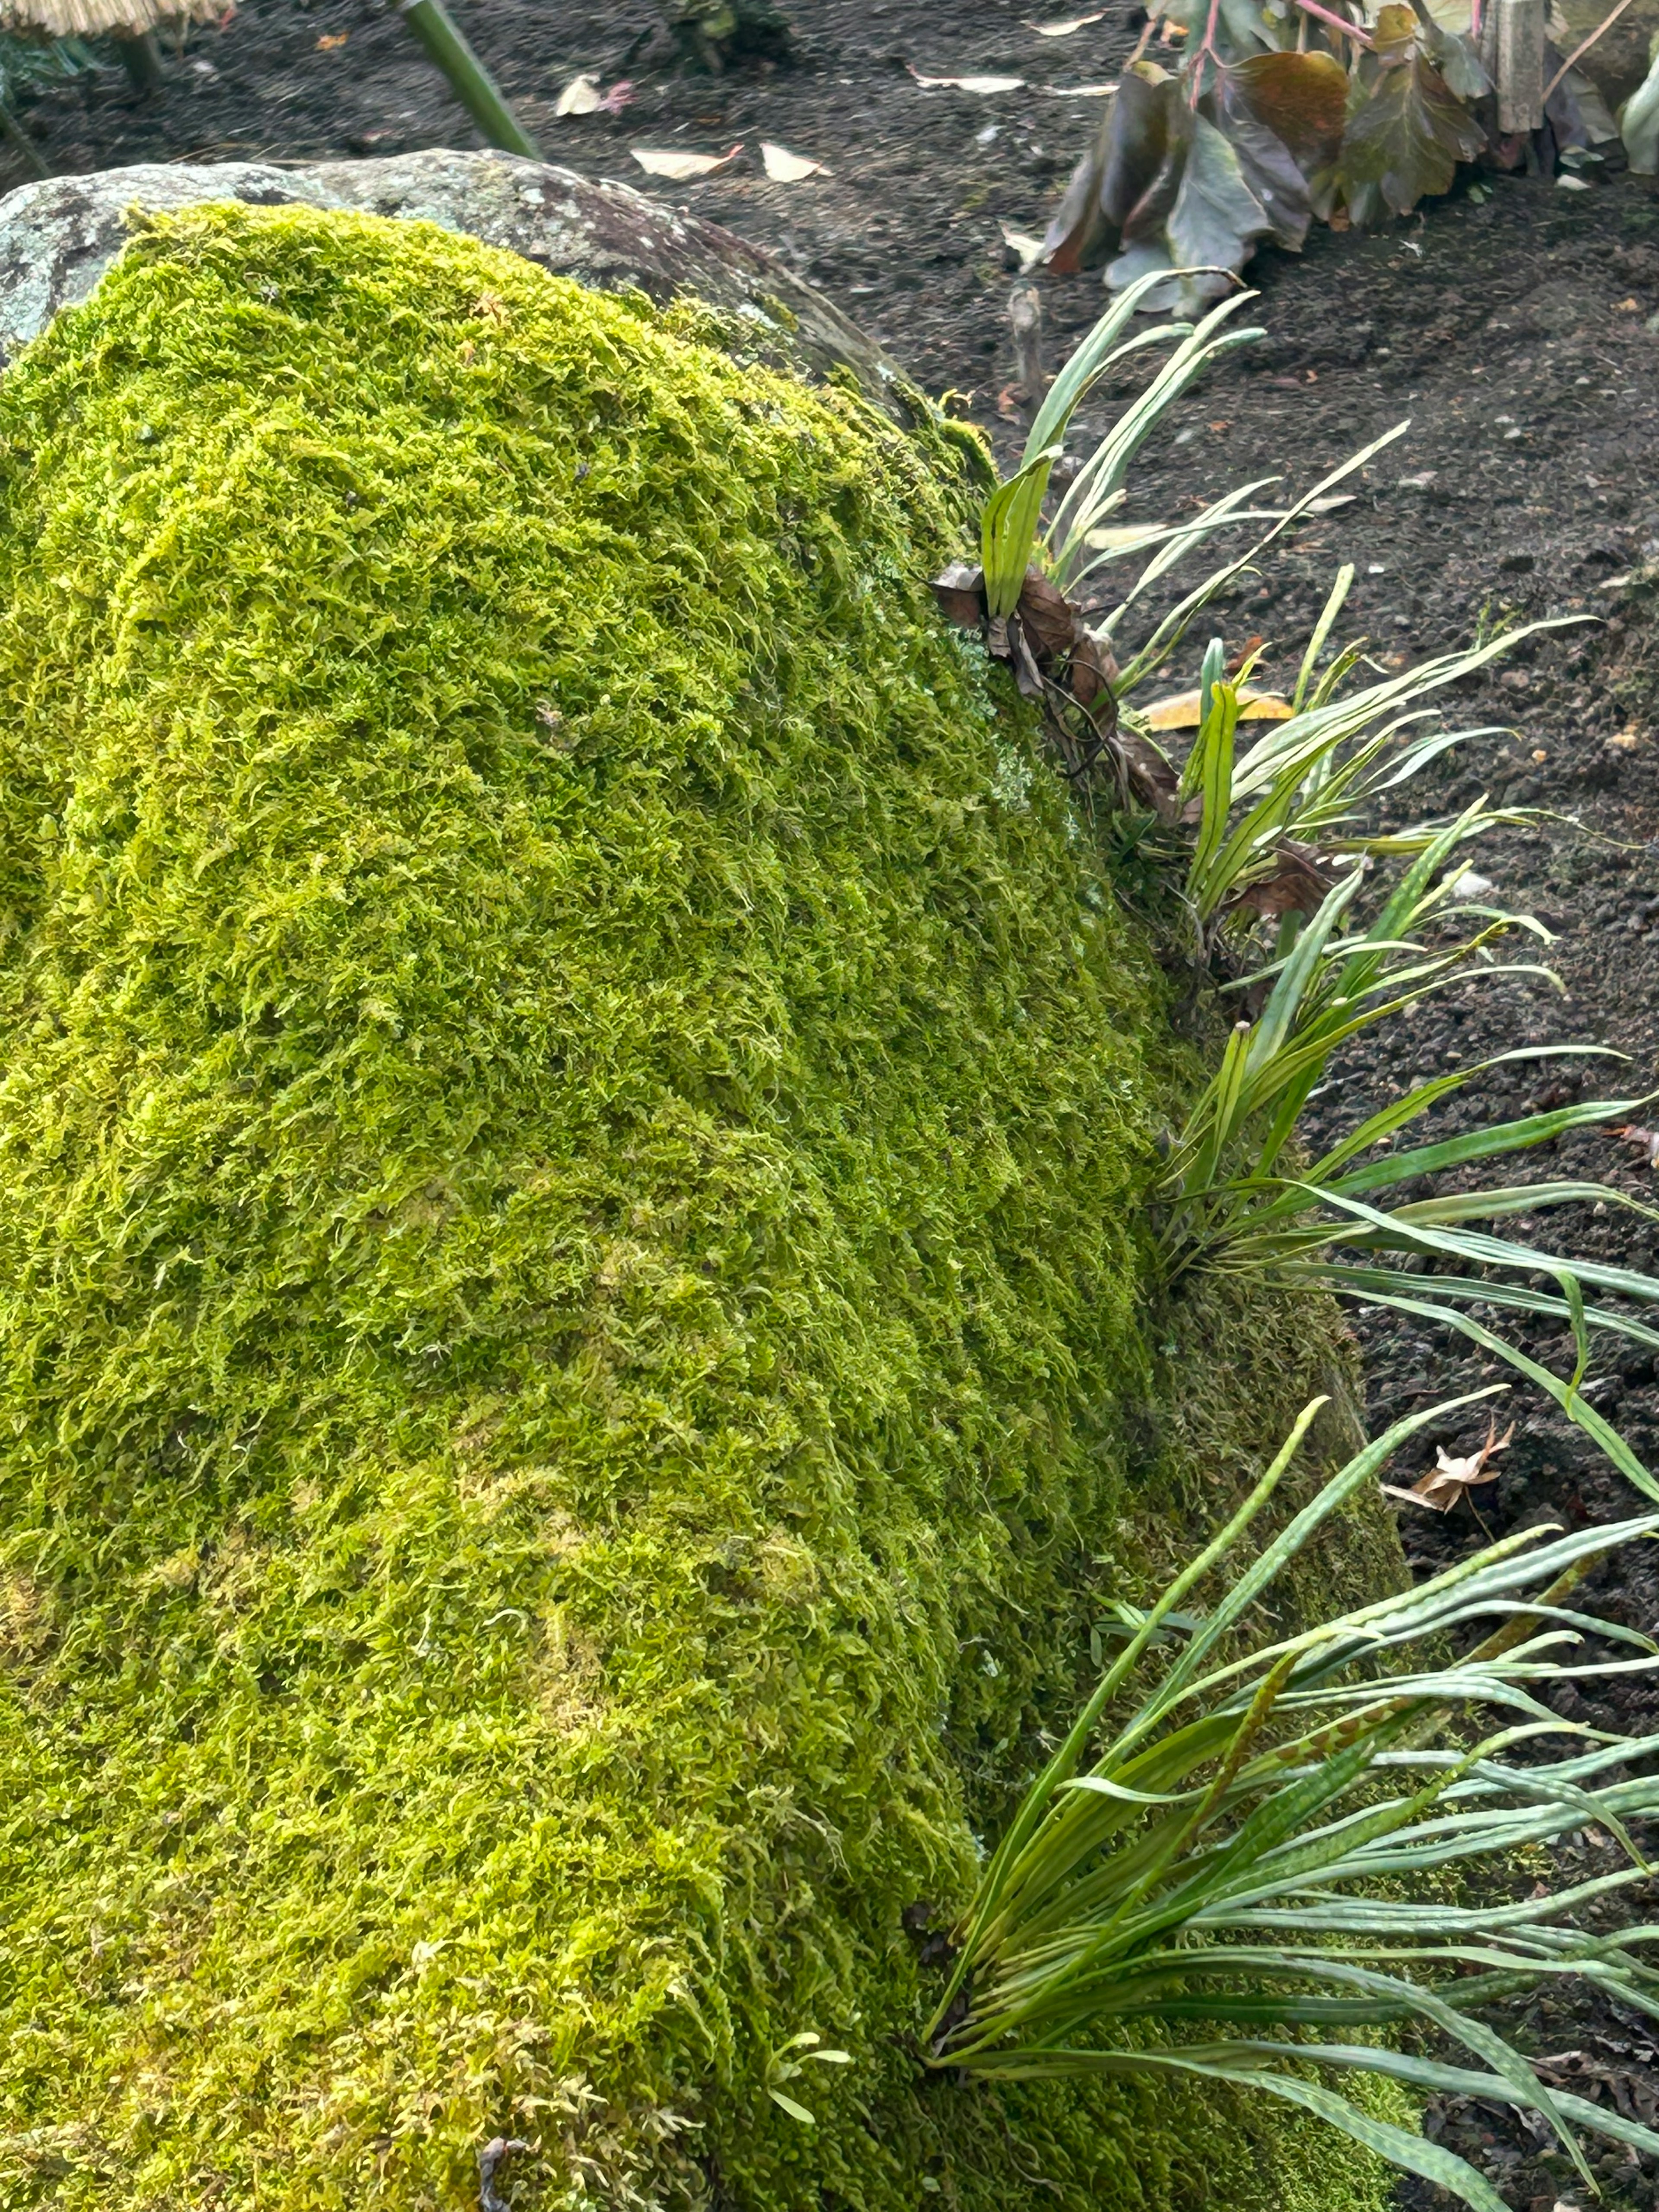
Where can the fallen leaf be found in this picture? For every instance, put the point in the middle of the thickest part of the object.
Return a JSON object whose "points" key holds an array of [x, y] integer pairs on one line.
{"points": [[1050, 621], [581, 96], [664, 162], [1151, 777], [980, 84], [1298, 884], [960, 591], [1448, 1479], [1022, 242], [1181, 710], [787, 168], [1065, 25], [1647, 1139]]}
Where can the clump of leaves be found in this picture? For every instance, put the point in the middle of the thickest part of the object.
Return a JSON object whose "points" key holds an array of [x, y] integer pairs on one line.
{"points": [[1236, 1196], [1219, 1856], [1283, 111], [1020, 595]]}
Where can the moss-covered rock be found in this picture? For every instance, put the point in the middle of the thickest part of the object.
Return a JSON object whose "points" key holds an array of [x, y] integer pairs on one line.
{"points": [[573, 1349]]}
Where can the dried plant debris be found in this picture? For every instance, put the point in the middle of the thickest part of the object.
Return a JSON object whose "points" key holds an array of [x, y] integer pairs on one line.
{"points": [[784, 167], [1451, 1479], [678, 167]]}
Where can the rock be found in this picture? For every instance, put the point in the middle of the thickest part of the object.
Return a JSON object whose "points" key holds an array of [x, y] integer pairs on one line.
{"points": [[58, 237]]}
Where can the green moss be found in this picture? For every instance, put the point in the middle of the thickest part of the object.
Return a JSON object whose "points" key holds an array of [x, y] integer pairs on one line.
{"points": [[571, 1359]]}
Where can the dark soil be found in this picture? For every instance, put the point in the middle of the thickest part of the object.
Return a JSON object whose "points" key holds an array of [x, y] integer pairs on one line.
{"points": [[1515, 334]]}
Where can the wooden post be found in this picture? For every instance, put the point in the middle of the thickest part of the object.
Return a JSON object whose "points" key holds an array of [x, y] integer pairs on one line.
{"points": [[1025, 321], [1519, 27]]}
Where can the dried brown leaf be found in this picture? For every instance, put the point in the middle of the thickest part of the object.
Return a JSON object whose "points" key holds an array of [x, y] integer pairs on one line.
{"points": [[960, 591], [1049, 619], [1298, 884], [1647, 1139], [1448, 1479]]}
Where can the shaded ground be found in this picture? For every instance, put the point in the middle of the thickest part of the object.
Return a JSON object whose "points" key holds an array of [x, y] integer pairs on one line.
{"points": [[1514, 335]]}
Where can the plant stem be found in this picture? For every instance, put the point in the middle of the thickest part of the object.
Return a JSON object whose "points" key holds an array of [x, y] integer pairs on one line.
{"points": [[1583, 47], [1337, 22], [468, 79], [1206, 50]]}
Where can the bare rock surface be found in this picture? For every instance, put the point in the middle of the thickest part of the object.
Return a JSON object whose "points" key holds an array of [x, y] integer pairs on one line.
{"points": [[58, 237]]}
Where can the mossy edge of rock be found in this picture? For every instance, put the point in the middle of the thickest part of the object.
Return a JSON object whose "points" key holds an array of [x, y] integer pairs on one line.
{"points": [[574, 1117]]}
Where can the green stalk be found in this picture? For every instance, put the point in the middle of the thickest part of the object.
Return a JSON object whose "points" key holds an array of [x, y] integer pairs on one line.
{"points": [[471, 83]]}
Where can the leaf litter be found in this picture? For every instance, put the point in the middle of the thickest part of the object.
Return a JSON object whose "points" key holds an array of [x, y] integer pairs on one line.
{"points": [[1451, 1479]]}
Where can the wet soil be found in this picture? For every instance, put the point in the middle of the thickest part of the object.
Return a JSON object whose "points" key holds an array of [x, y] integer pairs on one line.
{"points": [[1518, 335]]}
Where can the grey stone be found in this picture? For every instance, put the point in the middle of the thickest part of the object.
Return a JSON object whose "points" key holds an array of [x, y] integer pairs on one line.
{"points": [[58, 237]]}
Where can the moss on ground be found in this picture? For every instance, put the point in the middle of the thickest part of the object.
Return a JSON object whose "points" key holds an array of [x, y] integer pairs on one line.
{"points": [[573, 1354]]}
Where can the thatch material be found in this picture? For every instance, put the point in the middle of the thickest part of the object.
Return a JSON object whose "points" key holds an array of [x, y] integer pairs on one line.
{"points": [[92, 19]]}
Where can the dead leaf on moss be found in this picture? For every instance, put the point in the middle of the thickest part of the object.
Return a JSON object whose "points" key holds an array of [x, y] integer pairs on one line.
{"points": [[1448, 1479], [666, 161]]}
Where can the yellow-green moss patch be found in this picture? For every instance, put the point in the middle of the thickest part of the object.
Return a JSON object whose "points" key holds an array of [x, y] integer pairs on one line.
{"points": [[572, 1119]]}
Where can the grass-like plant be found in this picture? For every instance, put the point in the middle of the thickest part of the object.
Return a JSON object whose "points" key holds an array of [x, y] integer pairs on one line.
{"points": [[1234, 1192], [1279, 835], [1237, 1848]]}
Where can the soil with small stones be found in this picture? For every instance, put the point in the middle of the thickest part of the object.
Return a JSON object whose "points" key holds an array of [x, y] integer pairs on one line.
{"points": [[1512, 332]]}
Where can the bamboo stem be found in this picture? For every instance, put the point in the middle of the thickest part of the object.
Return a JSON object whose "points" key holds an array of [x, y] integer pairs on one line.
{"points": [[471, 83]]}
